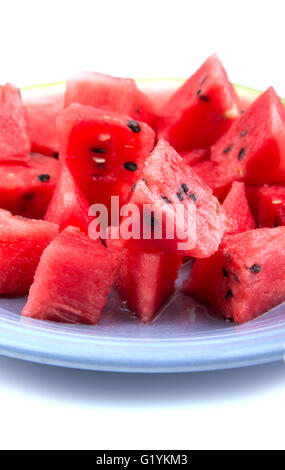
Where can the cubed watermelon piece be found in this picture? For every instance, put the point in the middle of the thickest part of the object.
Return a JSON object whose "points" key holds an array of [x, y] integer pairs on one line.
{"points": [[178, 198], [201, 110], [68, 205], [104, 151], [253, 150], [26, 188], [238, 215], [271, 206], [22, 242], [15, 141], [144, 280], [72, 280], [245, 278], [42, 113], [117, 94]]}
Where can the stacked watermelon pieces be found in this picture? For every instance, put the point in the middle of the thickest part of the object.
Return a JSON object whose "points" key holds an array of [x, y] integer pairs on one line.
{"points": [[104, 187]]}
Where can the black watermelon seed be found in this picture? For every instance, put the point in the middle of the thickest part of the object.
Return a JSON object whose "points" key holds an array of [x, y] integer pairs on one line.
{"points": [[199, 92], [225, 273], [29, 196], [166, 199], [144, 180], [193, 197], [98, 150], [103, 242], [56, 155], [228, 149], [184, 188], [203, 81], [180, 196], [228, 258], [133, 187], [229, 294], [134, 125], [243, 133], [204, 98], [130, 166], [235, 277], [43, 178], [255, 268], [241, 153]]}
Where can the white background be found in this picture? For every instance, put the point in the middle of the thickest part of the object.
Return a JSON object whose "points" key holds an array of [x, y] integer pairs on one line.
{"points": [[45, 407]]}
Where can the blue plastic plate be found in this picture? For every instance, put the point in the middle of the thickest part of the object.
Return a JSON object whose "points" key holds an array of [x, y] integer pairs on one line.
{"points": [[185, 337]]}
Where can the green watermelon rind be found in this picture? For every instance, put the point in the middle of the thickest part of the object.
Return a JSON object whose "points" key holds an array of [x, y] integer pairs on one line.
{"points": [[244, 92]]}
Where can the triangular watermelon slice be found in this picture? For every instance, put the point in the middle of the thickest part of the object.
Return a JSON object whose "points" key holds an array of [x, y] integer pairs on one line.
{"points": [[72, 280], [201, 110], [68, 205], [22, 242], [253, 150], [15, 141], [144, 280], [238, 215], [245, 278], [104, 151], [171, 195]]}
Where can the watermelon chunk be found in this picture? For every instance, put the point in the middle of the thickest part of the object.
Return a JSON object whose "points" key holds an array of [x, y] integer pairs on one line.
{"points": [[201, 110], [42, 113], [14, 131], [238, 215], [68, 205], [26, 188], [104, 151], [120, 95], [144, 280], [72, 280], [22, 242], [271, 206], [240, 280], [176, 197], [253, 150]]}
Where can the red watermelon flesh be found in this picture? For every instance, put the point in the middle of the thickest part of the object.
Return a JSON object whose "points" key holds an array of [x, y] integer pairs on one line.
{"points": [[104, 151], [271, 206], [22, 242], [68, 205], [145, 280], [195, 156], [42, 113], [72, 280], [245, 278], [175, 195], [238, 215], [26, 188], [253, 150], [201, 110], [116, 94], [216, 176], [252, 197], [15, 141]]}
